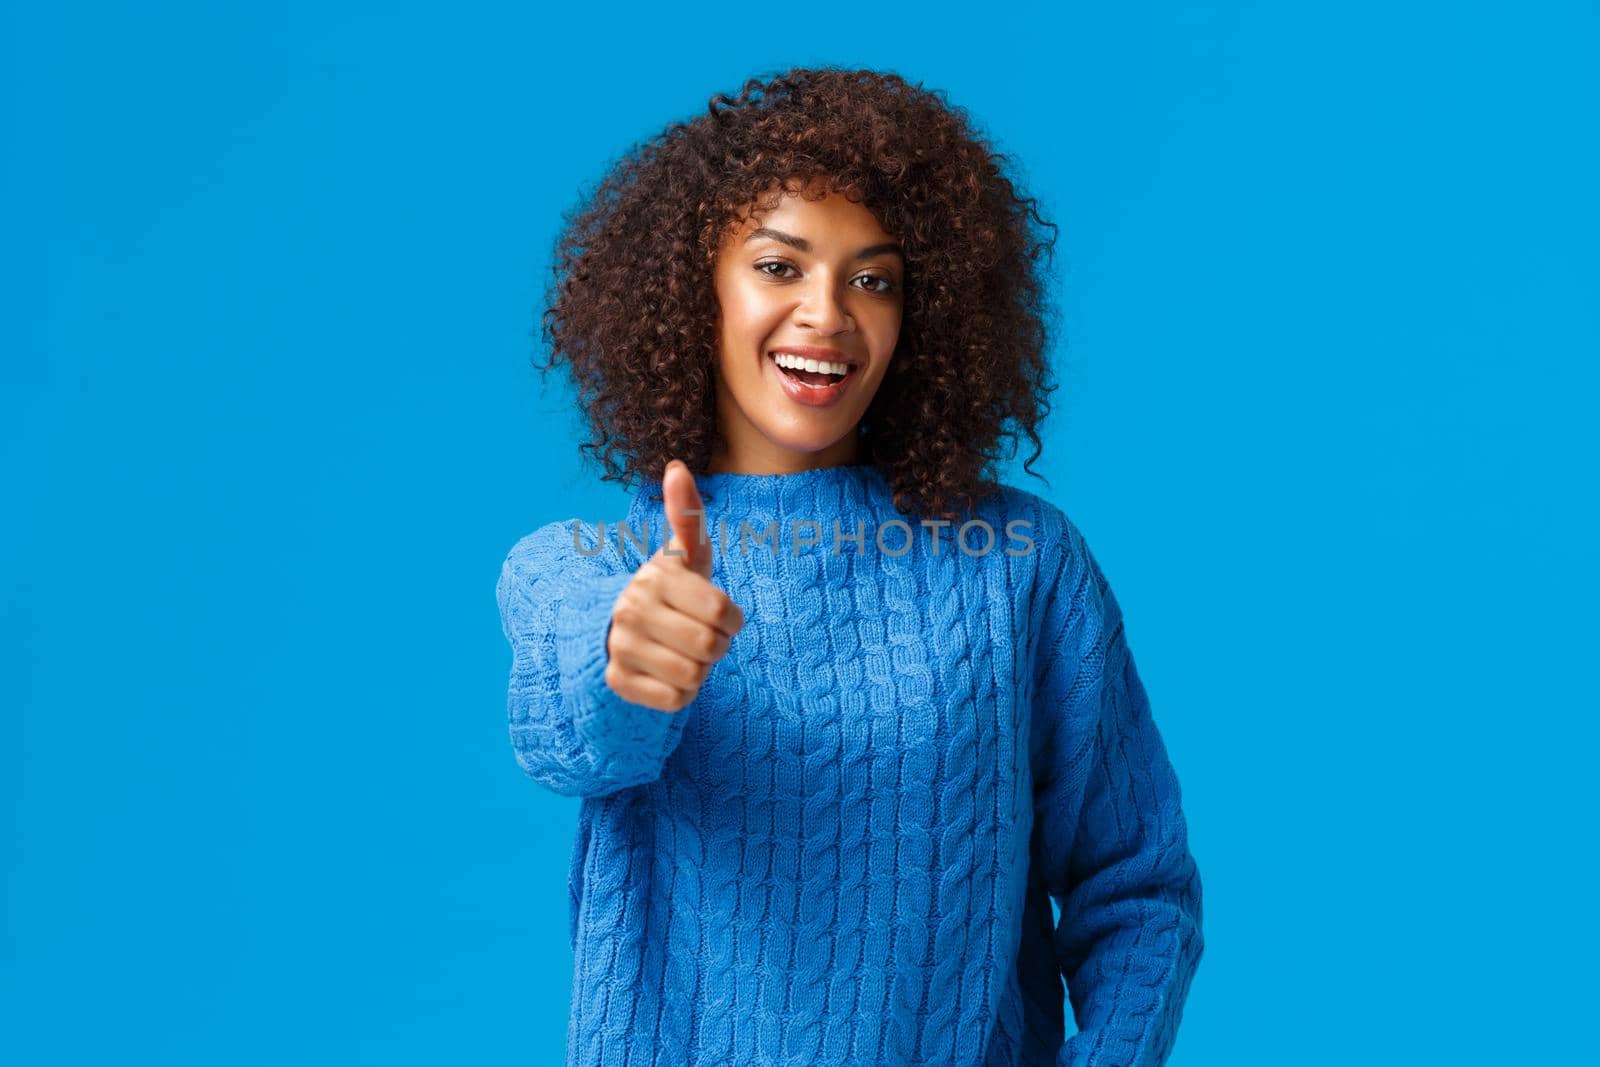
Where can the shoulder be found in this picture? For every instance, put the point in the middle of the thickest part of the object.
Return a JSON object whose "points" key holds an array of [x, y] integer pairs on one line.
{"points": [[1067, 581], [1058, 539], [561, 546]]}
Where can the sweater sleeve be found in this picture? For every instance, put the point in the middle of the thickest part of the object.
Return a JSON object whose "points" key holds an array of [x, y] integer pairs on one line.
{"points": [[1111, 830], [570, 731]]}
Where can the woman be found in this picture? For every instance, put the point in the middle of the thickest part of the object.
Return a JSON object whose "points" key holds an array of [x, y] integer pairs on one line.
{"points": [[843, 737]]}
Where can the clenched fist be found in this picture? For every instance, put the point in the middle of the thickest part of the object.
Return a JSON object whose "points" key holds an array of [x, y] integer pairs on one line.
{"points": [[670, 626]]}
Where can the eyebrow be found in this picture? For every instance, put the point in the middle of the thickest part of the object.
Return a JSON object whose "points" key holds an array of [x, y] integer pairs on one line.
{"points": [[805, 246]]}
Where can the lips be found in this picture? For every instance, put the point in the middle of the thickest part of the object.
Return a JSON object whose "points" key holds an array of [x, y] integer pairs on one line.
{"points": [[813, 352], [811, 395]]}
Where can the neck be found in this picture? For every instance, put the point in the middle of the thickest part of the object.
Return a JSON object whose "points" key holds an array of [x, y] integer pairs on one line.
{"points": [[844, 452]]}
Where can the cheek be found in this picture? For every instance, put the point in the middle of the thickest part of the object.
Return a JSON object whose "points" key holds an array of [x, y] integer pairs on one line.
{"points": [[886, 333], [744, 311]]}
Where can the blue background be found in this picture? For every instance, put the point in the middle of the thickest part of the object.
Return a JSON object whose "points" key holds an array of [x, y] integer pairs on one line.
{"points": [[269, 428]]}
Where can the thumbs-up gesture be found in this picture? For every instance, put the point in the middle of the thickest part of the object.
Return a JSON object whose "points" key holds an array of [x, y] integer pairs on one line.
{"points": [[670, 626]]}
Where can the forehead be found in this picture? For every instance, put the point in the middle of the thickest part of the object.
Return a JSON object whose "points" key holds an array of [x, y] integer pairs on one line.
{"points": [[829, 223]]}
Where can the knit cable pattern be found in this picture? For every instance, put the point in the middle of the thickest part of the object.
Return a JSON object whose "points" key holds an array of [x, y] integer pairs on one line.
{"points": [[844, 850]]}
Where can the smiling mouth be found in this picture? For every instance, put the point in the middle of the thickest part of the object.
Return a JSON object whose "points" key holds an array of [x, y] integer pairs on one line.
{"points": [[810, 379]]}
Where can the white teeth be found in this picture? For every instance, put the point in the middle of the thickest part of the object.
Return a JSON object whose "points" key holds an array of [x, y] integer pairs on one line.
{"points": [[788, 359]]}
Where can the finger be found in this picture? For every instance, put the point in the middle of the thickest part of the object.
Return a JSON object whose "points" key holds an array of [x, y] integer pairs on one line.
{"points": [[697, 598], [650, 692], [701, 642], [686, 517], [637, 654]]}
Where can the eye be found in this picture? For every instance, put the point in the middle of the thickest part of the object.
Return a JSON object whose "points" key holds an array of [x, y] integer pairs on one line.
{"points": [[882, 287]]}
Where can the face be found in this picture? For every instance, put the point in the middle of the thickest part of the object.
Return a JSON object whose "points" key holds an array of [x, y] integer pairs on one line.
{"points": [[820, 279]]}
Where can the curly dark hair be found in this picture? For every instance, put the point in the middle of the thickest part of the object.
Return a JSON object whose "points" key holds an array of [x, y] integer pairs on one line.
{"points": [[632, 309]]}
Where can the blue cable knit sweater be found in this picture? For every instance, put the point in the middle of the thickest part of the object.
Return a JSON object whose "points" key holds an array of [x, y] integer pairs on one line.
{"points": [[844, 850]]}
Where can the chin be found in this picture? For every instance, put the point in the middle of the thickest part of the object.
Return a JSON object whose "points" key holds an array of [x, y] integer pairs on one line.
{"points": [[809, 444]]}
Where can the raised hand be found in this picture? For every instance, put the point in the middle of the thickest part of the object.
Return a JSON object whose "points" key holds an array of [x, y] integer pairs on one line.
{"points": [[671, 625]]}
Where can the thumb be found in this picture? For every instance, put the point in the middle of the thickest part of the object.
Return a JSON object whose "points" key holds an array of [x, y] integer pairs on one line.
{"points": [[686, 517]]}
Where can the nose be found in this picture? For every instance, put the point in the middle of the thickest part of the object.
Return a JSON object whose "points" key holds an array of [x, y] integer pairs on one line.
{"points": [[823, 309]]}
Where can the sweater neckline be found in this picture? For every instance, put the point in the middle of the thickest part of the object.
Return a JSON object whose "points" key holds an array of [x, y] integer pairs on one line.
{"points": [[813, 491], [735, 481]]}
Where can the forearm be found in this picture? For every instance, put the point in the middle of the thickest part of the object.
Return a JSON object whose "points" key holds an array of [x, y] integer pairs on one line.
{"points": [[569, 730], [1130, 936]]}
